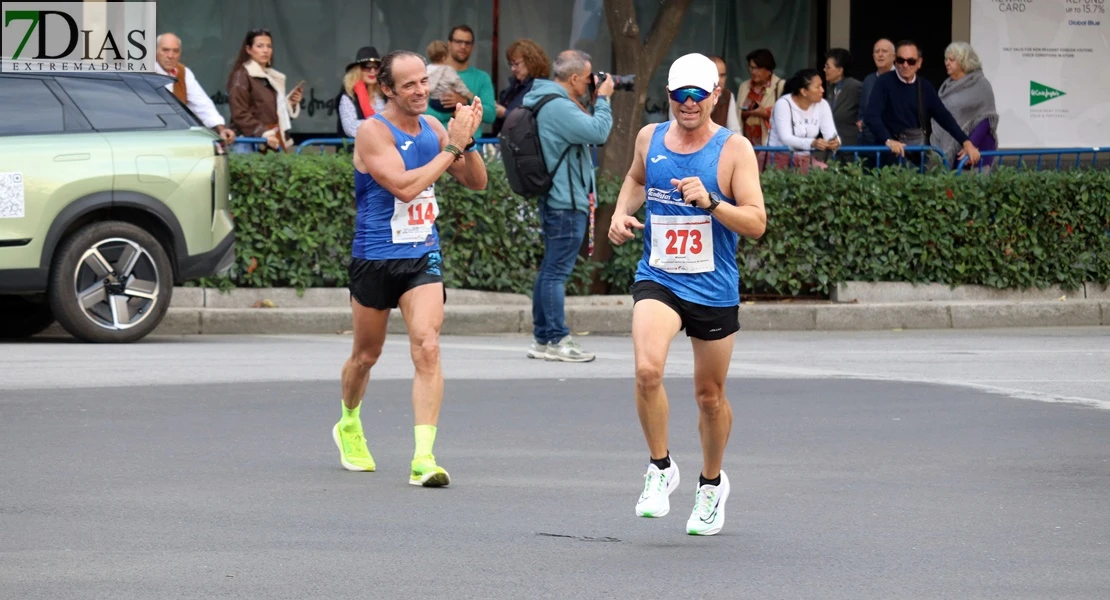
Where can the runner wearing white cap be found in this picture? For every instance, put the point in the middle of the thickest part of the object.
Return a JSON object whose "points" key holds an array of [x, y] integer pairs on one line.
{"points": [[701, 187]]}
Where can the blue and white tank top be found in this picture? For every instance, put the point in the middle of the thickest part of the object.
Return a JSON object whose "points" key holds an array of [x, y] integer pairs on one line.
{"points": [[385, 227], [685, 248]]}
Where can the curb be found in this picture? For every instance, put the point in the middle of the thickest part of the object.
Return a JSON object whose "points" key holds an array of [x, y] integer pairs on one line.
{"points": [[616, 319]]}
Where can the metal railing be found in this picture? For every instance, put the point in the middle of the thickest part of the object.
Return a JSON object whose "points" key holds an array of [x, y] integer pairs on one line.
{"points": [[249, 144], [1040, 154], [875, 153], [341, 142], [488, 146]]}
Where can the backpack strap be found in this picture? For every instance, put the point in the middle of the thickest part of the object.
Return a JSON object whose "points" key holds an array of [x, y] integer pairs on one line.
{"points": [[543, 101], [536, 112]]}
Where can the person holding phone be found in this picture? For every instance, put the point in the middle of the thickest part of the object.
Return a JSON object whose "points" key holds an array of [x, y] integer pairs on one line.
{"points": [[260, 106]]}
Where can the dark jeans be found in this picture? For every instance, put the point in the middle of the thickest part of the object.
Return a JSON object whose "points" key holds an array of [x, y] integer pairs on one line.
{"points": [[562, 237]]}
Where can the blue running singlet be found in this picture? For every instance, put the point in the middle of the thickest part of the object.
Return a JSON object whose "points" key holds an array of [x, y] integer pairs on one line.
{"points": [[385, 227], [685, 248]]}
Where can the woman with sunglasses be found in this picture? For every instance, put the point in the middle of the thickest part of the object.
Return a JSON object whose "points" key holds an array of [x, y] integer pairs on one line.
{"points": [[360, 98], [260, 106], [799, 117]]}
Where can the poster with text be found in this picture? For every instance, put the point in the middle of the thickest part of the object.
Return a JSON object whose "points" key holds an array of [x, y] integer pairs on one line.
{"points": [[1049, 64]]}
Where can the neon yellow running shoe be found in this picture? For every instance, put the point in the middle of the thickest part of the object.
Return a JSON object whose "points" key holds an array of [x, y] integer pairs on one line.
{"points": [[427, 473], [353, 454]]}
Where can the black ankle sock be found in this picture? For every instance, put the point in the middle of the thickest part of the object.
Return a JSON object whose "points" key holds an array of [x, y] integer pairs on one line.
{"points": [[662, 463], [703, 481]]}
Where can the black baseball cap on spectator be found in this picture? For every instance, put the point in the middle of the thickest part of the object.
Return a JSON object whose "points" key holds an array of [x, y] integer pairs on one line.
{"points": [[366, 54]]}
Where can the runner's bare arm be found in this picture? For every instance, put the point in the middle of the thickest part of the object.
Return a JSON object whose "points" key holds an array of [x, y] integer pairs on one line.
{"points": [[748, 217], [377, 153], [633, 193], [470, 170]]}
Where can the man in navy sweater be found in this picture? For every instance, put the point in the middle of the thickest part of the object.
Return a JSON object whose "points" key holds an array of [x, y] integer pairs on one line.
{"points": [[893, 114]]}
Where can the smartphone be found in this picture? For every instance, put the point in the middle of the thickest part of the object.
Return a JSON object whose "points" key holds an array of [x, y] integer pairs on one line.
{"points": [[300, 85]]}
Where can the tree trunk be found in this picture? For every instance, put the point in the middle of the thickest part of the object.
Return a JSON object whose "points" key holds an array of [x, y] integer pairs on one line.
{"points": [[632, 55]]}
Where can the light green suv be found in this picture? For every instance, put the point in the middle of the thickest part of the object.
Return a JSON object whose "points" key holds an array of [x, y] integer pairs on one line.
{"points": [[111, 192]]}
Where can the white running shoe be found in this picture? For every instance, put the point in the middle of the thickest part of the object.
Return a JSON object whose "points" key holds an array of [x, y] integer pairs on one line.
{"points": [[658, 485], [709, 508]]}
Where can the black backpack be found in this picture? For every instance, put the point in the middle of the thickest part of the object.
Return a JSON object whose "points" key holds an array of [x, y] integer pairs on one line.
{"points": [[521, 151]]}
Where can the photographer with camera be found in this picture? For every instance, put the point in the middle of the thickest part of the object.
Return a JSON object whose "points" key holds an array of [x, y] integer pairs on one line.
{"points": [[567, 128]]}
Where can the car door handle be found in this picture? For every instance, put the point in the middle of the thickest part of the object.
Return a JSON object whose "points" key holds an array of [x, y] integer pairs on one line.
{"points": [[71, 157]]}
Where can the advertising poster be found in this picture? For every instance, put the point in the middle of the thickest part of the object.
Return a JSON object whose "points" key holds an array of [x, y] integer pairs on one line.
{"points": [[1049, 64]]}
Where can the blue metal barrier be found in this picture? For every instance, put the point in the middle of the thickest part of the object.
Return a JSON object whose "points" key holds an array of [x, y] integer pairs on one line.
{"points": [[323, 142], [249, 145], [1039, 153], [875, 152], [489, 146]]}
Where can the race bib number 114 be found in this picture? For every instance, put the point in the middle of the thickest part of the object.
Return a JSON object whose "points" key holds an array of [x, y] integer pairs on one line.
{"points": [[412, 222]]}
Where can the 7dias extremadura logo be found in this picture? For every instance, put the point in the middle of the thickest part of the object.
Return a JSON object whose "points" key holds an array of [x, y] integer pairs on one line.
{"points": [[1039, 92], [77, 36]]}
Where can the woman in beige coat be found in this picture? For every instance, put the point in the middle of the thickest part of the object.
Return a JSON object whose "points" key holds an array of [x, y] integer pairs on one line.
{"points": [[253, 89], [758, 95]]}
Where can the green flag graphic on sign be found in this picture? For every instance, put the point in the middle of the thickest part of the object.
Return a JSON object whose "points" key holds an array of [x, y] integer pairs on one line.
{"points": [[1039, 92]]}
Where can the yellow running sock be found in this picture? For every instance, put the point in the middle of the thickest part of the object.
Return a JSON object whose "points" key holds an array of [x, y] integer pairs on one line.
{"points": [[425, 439], [350, 414]]}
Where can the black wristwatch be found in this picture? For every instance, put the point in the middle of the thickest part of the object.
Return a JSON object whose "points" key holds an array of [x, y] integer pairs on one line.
{"points": [[714, 201], [470, 145]]}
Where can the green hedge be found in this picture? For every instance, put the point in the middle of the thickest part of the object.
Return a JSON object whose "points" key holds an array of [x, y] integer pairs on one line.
{"points": [[294, 219]]}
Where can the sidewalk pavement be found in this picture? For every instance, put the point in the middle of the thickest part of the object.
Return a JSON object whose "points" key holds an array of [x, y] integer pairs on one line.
{"points": [[854, 306]]}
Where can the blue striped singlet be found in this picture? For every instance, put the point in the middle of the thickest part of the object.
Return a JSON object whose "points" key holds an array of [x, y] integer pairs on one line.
{"points": [[686, 250], [386, 228]]}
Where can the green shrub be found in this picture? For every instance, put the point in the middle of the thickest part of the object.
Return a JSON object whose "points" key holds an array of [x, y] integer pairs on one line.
{"points": [[294, 217]]}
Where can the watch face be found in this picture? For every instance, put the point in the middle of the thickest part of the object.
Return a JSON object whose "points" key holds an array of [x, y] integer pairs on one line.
{"points": [[714, 197]]}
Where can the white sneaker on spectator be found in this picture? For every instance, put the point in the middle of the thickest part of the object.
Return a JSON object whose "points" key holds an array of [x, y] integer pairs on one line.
{"points": [[568, 350], [537, 350]]}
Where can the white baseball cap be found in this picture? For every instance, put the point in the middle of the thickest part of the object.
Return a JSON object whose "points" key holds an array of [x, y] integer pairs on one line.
{"points": [[693, 70]]}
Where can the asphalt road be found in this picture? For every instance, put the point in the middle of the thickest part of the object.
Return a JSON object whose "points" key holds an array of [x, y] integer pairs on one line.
{"points": [[864, 465]]}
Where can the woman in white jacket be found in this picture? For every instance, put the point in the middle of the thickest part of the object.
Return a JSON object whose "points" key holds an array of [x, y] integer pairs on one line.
{"points": [[799, 117]]}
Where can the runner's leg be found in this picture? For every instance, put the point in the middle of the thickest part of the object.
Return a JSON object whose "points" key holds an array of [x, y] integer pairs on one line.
{"points": [[711, 362], [654, 325]]}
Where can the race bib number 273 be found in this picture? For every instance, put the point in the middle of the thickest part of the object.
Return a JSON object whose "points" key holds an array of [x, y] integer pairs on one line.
{"points": [[681, 243]]}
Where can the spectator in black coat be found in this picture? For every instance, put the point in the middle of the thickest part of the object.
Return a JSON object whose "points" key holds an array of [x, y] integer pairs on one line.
{"points": [[527, 61]]}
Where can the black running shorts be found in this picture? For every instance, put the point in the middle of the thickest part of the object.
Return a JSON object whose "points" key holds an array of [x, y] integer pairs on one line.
{"points": [[381, 283], [701, 322]]}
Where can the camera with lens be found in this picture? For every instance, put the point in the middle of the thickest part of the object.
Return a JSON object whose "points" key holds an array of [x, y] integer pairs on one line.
{"points": [[622, 83]]}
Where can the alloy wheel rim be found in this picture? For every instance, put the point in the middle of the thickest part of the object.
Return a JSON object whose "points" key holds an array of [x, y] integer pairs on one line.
{"points": [[116, 281]]}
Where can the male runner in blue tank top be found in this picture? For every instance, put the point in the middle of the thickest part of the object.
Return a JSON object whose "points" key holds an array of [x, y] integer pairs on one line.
{"points": [[395, 260], [701, 185]]}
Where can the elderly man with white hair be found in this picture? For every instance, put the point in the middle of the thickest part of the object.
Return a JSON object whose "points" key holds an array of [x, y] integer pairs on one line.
{"points": [[970, 98], [187, 88]]}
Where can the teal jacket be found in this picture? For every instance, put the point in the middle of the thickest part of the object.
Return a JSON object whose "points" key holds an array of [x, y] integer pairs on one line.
{"points": [[563, 125]]}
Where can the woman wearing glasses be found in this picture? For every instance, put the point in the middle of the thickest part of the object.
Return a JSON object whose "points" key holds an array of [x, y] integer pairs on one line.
{"points": [[799, 117], [260, 106], [360, 98], [527, 61]]}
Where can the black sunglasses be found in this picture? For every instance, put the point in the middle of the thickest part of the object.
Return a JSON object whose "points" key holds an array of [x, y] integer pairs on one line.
{"points": [[906, 61]]}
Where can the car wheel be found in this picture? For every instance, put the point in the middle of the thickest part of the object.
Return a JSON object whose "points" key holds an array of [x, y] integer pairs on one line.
{"points": [[21, 318], [111, 282]]}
